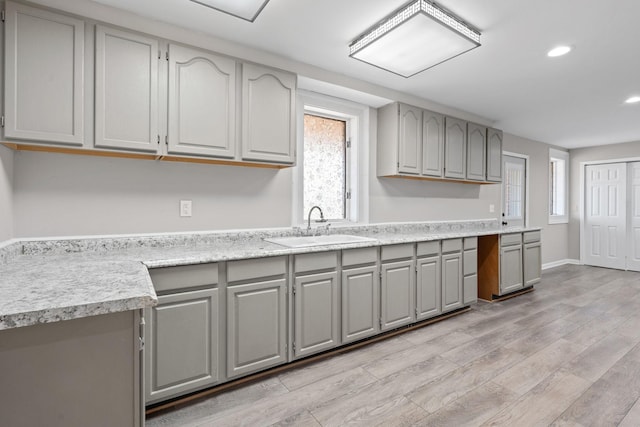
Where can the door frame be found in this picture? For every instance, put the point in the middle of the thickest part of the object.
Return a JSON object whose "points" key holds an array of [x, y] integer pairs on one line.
{"points": [[583, 171], [527, 173]]}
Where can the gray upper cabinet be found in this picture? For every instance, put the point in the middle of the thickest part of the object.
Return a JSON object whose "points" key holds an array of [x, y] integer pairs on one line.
{"points": [[432, 143], [316, 303], [268, 114], [44, 93], [410, 142], [126, 90], [494, 155], [455, 148], [476, 152], [202, 103]]}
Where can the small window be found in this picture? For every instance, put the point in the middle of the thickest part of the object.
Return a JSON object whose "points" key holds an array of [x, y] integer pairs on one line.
{"points": [[332, 154], [325, 166], [558, 186]]}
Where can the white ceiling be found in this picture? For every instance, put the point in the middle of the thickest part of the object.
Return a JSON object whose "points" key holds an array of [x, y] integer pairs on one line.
{"points": [[572, 101]]}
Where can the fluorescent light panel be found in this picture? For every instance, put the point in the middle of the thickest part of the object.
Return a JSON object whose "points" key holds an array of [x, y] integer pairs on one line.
{"points": [[243, 9], [416, 37]]}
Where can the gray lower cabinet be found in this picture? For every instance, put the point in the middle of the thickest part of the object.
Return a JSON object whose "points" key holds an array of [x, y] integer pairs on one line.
{"points": [[451, 274], [428, 279], [531, 258], [511, 275], [397, 286], [181, 332], [256, 315], [316, 304], [470, 270], [360, 294]]}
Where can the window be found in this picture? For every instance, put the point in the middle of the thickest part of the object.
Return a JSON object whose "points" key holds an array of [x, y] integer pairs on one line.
{"points": [[331, 156], [558, 186]]}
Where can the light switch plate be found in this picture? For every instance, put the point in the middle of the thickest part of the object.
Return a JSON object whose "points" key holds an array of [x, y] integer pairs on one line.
{"points": [[185, 208], [492, 208]]}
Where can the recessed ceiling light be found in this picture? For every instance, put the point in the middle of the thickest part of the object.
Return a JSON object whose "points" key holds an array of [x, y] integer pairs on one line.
{"points": [[559, 51], [633, 100]]}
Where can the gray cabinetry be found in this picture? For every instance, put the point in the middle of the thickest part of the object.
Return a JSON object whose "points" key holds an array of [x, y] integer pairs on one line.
{"points": [[316, 303], [268, 114], [470, 270], [531, 256], [43, 80], [451, 274], [476, 152], [428, 280], [256, 315], [360, 294], [410, 140], [455, 148], [494, 155], [181, 332], [432, 143], [397, 286], [511, 275], [202, 103], [126, 90]]}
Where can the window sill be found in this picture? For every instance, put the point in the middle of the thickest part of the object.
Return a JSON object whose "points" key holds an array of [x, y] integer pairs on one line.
{"points": [[558, 220]]}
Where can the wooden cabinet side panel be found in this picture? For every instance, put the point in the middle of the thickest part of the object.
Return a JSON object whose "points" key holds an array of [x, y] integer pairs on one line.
{"points": [[488, 266]]}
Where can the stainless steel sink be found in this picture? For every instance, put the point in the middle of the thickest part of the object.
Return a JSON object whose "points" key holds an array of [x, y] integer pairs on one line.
{"points": [[307, 241]]}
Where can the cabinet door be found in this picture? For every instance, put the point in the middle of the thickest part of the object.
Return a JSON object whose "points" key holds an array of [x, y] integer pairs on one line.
{"points": [[451, 281], [181, 352], [470, 273], [532, 263], [432, 143], [256, 326], [360, 303], [410, 140], [476, 152], [316, 313], [455, 148], [494, 155], [202, 103], [44, 54], [397, 294], [511, 277], [428, 288], [126, 98], [268, 114]]}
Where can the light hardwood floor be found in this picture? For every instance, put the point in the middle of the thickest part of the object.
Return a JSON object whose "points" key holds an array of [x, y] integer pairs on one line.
{"points": [[567, 354]]}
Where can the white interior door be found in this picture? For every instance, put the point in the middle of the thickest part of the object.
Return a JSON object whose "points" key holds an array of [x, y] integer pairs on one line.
{"points": [[514, 191], [633, 239], [605, 215]]}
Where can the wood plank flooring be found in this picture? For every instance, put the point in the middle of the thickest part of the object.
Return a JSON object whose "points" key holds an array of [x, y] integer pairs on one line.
{"points": [[567, 354]]}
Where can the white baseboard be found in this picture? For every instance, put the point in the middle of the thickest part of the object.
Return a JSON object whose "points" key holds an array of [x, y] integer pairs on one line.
{"points": [[560, 262]]}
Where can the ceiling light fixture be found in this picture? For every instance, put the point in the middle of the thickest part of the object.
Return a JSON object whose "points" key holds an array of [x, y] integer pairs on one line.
{"points": [[633, 100], [243, 9], [559, 51], [416, 37]]}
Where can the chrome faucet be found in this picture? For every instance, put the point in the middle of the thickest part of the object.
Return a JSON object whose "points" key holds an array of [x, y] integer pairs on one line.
{"points": [[317, 220]]}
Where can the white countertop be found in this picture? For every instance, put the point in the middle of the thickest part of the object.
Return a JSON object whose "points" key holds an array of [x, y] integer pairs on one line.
{"points": [[62, 279]]}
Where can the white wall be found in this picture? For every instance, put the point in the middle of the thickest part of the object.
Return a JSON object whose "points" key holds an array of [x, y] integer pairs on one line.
{"points": [[554, 236], [6, 193], [628, 150], [63, 195]]}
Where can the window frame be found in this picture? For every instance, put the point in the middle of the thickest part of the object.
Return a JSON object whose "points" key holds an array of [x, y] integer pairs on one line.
{"points": [[559, 156], [357, 155]]}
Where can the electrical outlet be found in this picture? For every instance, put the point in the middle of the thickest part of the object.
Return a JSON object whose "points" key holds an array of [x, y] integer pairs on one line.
{"points": [[185, 208], [492, 208]]}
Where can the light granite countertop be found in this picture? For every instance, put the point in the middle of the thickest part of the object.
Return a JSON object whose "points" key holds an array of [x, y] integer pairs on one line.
{"points": [[50, 280]]}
